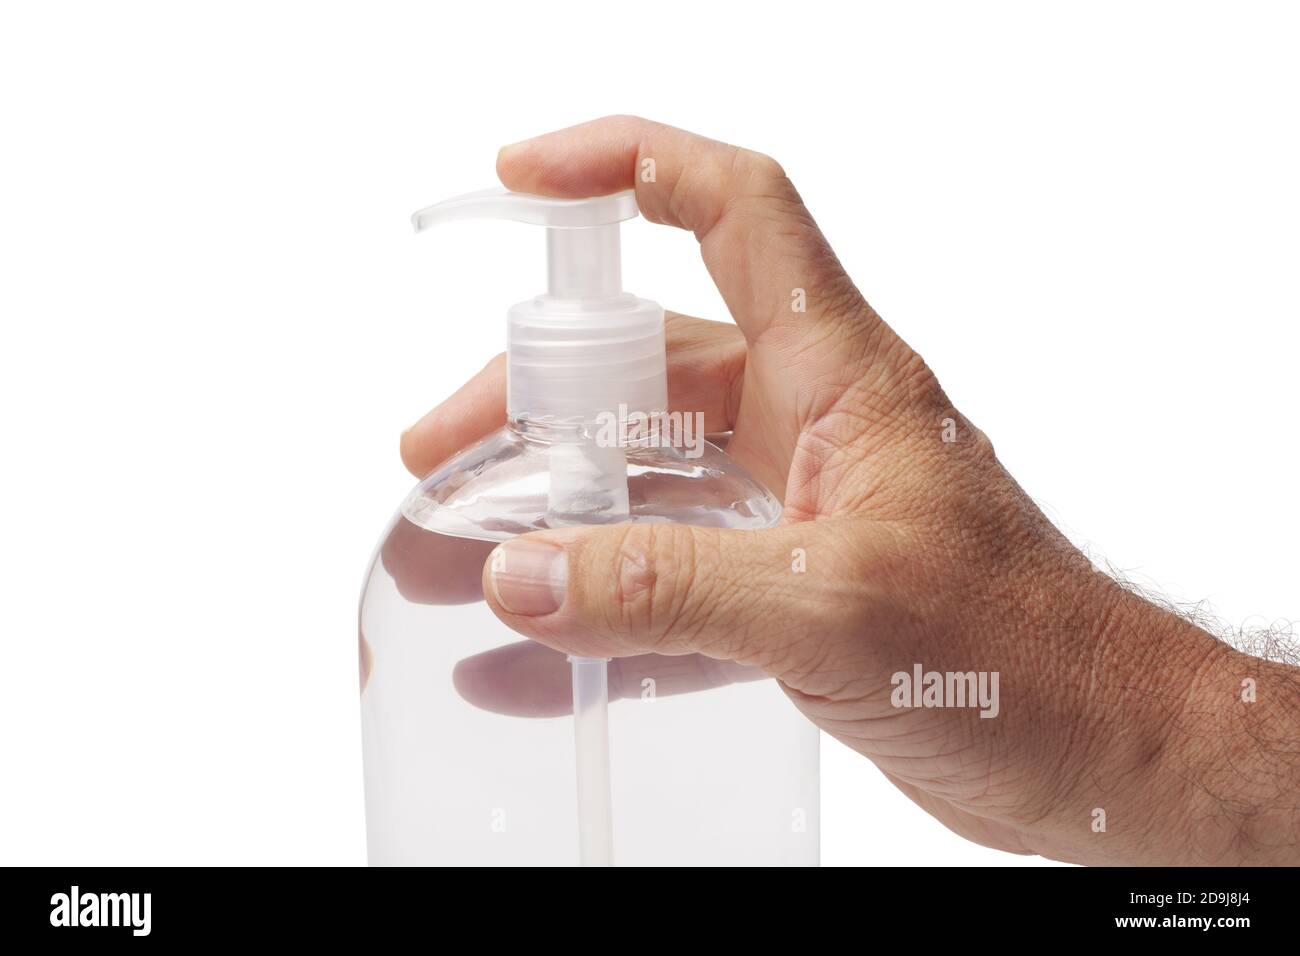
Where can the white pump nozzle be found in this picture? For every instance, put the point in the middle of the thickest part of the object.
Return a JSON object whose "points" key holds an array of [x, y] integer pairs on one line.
{"points": [[582, 239], [585, 347], [526, 207]]}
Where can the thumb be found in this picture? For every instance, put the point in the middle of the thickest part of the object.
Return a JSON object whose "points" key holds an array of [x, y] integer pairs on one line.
{"points": [[629, 589]]}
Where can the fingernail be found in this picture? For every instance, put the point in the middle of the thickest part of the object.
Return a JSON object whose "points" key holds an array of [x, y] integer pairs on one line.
{"points": [[529, 577]]}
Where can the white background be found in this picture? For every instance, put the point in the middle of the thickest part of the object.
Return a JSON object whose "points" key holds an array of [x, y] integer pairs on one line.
{"points": [[215, 321]]}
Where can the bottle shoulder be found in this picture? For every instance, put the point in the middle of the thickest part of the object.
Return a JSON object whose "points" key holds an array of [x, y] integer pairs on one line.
{"points": [[505, 485]]}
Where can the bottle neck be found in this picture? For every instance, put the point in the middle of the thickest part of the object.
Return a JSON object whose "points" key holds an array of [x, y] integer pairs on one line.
{"points": [[550, 431], [620, 428]]}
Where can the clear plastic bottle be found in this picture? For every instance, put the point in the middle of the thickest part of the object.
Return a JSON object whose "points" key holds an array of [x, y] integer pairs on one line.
{"points": [[473, 755]]}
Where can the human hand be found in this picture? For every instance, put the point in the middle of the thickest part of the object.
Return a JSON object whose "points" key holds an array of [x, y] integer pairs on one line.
{"points": [[920, 550]]}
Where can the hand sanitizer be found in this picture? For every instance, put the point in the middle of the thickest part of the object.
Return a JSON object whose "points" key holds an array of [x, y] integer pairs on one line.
{"points": [[484, 748]]}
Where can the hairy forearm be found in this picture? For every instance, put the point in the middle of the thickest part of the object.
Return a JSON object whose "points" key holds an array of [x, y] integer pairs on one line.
{"points": [[1235, 745], [1193, 748]]}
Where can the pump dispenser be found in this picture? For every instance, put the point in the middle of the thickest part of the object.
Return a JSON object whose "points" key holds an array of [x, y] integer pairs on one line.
{"points": [[474, 737], [585, 346]]}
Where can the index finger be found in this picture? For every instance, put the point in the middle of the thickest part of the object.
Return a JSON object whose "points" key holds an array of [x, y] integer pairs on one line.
{"points": [[759, 242]]}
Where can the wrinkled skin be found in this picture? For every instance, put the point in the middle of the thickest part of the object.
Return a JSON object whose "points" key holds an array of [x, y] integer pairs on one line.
{"points": [[919, 547]]}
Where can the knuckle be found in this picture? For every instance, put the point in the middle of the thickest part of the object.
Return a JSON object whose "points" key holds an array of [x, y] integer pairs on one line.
{"points": [[982, 446], [902, 379], [760, 169], [657, 584], [625, 119]]}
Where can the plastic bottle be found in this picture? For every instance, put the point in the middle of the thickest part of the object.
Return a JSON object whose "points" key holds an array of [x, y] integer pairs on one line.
{"points": [[482, 747]]}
